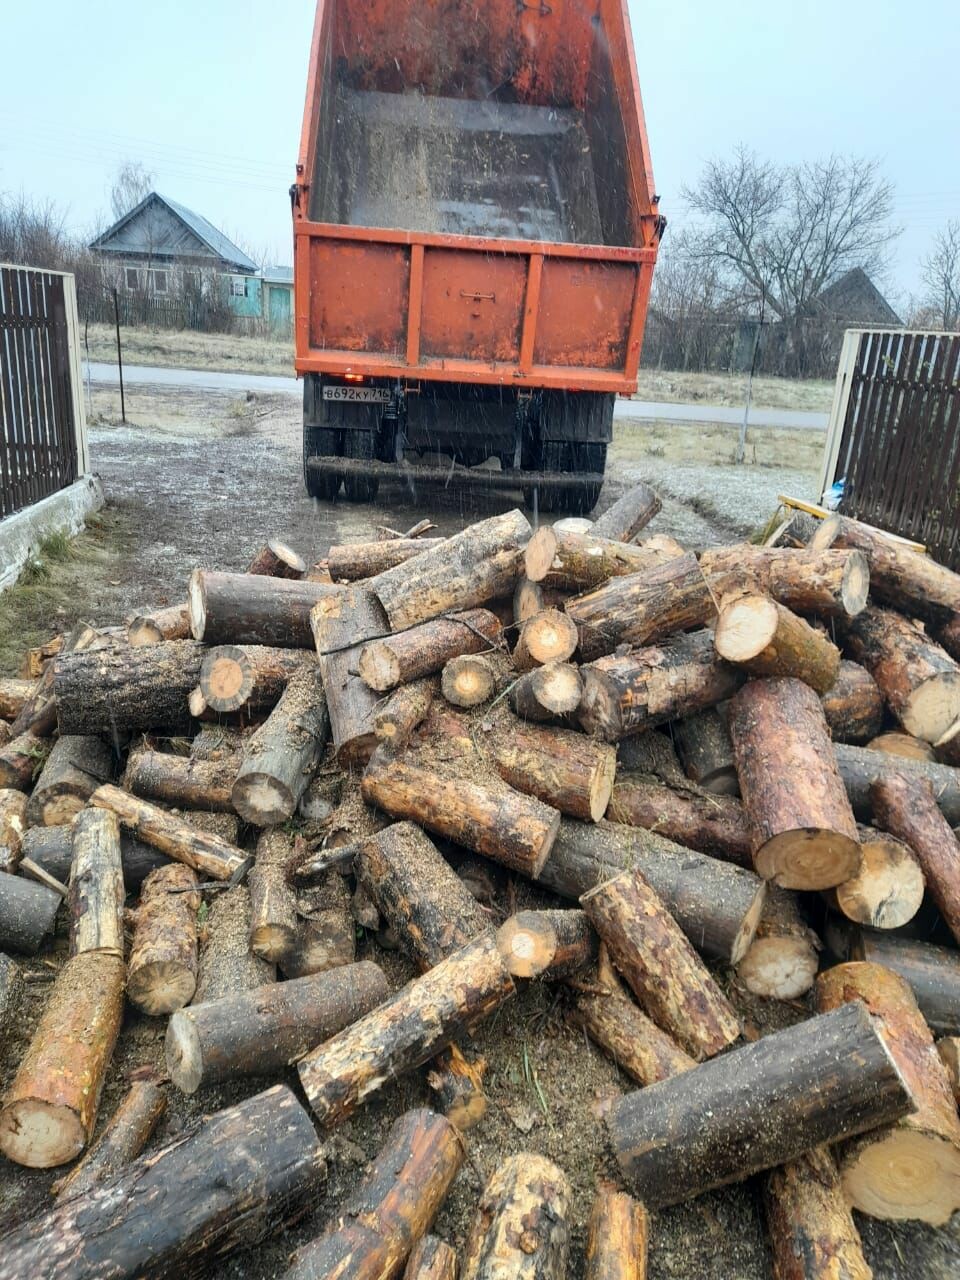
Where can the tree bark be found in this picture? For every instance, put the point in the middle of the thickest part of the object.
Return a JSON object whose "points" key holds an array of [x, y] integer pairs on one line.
{"points": [[711, 824], [577, 562], [111, 691], [227, 967], [400, 714], [261, 1031], [273, 904], [431, 1259], [663, 971], [468, 681], [853, 705], [564, 769], [804, 832], [626, 695], [325, 942], [515, 830], [50, 1110], [22, 760], [821, 1081], [531, 598], [352, 707], [704, 746], [162, 974], [351, 617], [174, 1212], [948, 1050], [279, 758], [549, 636], [39, 713], [830, 583], [424, 650], [394, 1206], [642, 608], [75, 768], [14, 696], [717, 905], [617, 1235], [766, 639], [241, 608], [13, 823], [521, 1229], [932, 973], [124, 1136], [946, 634], [546, 944], [277, 560], [405, 1031], [27, 913], [181, 781], [96, 884], [860, 768], [172, 623], [171, 835], [458, 1086], [547, 694], [355, 560], [11, 997], [782, 960], [887, 892], [251, 676], [52, 849], [629, 514], [903, 744], [812, 1232], [912, 1169]]}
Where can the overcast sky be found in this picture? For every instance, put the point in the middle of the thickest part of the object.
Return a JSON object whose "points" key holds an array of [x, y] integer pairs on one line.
{"points": [[209, 95]]}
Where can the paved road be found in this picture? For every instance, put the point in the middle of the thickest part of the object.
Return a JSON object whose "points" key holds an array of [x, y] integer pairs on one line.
{"points": [[645, 410]]}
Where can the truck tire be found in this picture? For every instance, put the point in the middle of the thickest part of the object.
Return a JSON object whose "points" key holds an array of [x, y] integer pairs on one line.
{"points": [[361, 445], [562, 456], [570, 437], [319, 440]]}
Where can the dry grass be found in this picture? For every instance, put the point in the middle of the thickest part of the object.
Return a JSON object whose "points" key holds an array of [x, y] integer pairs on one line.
{"points": [[729, 389], [706, 445]]}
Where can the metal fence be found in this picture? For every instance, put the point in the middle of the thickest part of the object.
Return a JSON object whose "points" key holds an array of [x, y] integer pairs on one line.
{"points": [[894, 435], [41, 436]]}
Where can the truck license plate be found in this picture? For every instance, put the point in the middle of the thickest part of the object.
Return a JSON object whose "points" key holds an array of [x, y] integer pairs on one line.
{"points": [[363, 395]]}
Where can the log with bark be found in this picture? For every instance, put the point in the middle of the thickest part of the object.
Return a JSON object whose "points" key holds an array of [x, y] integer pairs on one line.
{"points": [[122, 1139], [887, 891], [279, 758], [617, 1233], [162, 973], [716, 904], [482, 563], [27, 913], [912, 1168], [547, 694], [393, 1207], [767, 639], [401, 713], [521, 1228], [419, 894], [642, 608], [227, 966], [811, 1229], [355, 560], [277, 560], [352, 707], [468, 680], [39, 713], [704, 746], [629, 515], [804, 831], [531, 598], [860, 768], [22, 760], [714, 824], [431, 1259], [14, 696], [564, 769], [626, 695], [96, 884], [405, 1031], [664, 972], [653, 753], [824, 1080], [425, 650], [513, 829], [549, 636], [171, 623], [251, 677], [948, 1050], [546, 944], [905, 745], [558, 560], [932, 973], [457, 1083], [853, 705], [329, 941], [263, 1030], [13, 824], [831, 583], [782, 960], [50, 1109], [74, 769], [350, 617], [5, 734], [242, 608], [273, 904], [52, 849], [11, 996], [182, 781], [177, 1211], [174, 837], [112, 691]]}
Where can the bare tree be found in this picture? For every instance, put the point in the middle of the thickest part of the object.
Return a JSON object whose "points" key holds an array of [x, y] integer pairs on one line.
{"points": [[940, 272], [691, 323], [132, 184]]}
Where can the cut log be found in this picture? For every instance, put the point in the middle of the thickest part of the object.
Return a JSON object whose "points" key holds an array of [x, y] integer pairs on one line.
{"points": [[762, 1105], [652, 753], [577, 562], [273, 904], [515, 830], [111, 691], [11, 997], [617, 1235], [853, 705], [277, 560], [912, 1169], [250, 676], [887, 891], [419, 894], [629, 514], [903, 744], [52, 849], [932, 973], [5, 734], [482, 563], [395, 1204], [812, 1232], [14, 696], [458, 1086], [172, 623], [625, 696], [860, 768], [243, 608], [405, 1031], [50, 1110], [400, 714], [261, 1031], [96, 884], [948, 1050], [203, 1201], [566, 770], [431, 1259], [162, 974], [804, 832], [124, 1136], [704, 746], [75, 768], [767, 639], [908, 810], [520, 1229], [327, 942], [22, 760], [182, 781], [918, 679], [716, 904], [546, 944], [352, 707], [547, 693], [321, 797], [422, 651], [13, 823], [310, 870], [39, 713], [365, 911], [712, 824], [642, 608], [782, 960], [355, 560], [831, 583], [348, 618], [549, 636], [664, 972], [468, 681], [279, 758], [179, 840], [227, 967]]}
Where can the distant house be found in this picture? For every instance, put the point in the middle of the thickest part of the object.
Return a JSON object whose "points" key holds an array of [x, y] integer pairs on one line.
{"points": [[855, 302], [278, 298]]}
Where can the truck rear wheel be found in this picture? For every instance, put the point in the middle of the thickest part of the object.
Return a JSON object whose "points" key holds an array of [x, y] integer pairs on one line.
{"points": [[362, 446], [583, 421], [570, 459]]}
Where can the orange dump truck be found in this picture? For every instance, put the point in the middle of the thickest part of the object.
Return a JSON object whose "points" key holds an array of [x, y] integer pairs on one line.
{"points": [[475, 236]]}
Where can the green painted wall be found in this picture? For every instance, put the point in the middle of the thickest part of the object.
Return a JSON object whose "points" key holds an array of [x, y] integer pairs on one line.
{"points": [[250, 305]]}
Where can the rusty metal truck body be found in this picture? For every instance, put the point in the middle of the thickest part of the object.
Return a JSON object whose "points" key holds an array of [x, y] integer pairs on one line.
{"points": [[475, 236]]}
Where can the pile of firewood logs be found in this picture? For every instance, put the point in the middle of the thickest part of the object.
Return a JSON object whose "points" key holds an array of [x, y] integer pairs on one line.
{"points": [[737, 771]]}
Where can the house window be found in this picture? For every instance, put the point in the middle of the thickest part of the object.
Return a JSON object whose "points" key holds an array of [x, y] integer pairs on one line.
{"points": [[132, 276], [238, 288], [159, 281]]}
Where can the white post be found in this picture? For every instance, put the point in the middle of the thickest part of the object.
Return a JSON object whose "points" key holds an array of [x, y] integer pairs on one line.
{"points": [[76, 374], [838, 411]]}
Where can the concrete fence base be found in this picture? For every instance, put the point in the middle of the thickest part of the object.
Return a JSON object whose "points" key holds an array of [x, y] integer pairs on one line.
{"points": [[20, 534]]}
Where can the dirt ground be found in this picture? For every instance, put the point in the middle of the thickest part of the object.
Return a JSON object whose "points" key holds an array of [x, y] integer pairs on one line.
{"points": [[205, 483]]}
